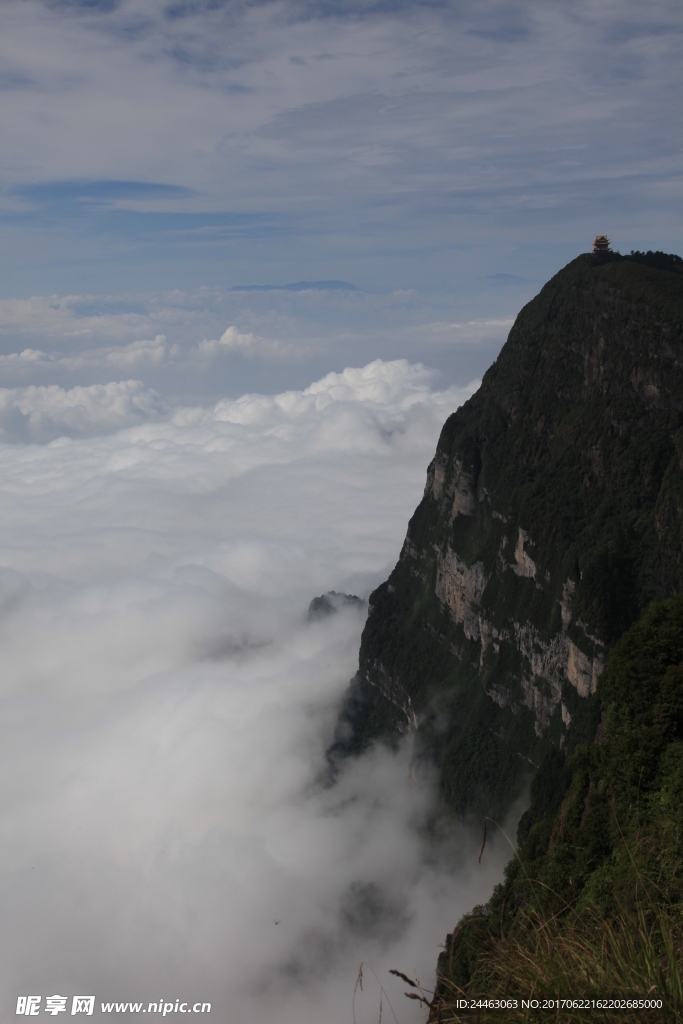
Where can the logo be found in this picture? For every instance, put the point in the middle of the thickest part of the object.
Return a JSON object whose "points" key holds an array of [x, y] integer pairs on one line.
{"points": [[29, 1006]]}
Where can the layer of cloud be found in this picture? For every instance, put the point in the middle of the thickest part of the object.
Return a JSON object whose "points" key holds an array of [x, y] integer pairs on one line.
{"points": [[122, 357], [250, 345], [75, 318], [356, 410], [177, 342], [166, 708], [42, 414]]}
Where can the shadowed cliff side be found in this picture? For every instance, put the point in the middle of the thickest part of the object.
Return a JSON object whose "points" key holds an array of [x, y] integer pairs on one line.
{"points": [[552, 516], [590, 906]]}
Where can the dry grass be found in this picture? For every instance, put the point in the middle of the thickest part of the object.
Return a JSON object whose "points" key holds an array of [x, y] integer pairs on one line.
{"points": [[636, 955]]}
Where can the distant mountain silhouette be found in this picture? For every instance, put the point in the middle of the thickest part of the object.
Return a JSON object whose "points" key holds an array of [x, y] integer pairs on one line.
{"points": [[298, 286]]}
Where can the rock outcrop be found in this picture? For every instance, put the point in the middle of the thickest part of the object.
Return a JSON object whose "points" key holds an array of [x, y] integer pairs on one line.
{"points": [[552, 515]]}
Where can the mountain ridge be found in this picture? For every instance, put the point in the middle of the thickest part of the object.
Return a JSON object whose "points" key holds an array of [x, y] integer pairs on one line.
{"points": [[552, 517]]}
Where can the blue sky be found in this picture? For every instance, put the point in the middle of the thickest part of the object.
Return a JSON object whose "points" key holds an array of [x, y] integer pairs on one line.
{"points": [[458, 151]]}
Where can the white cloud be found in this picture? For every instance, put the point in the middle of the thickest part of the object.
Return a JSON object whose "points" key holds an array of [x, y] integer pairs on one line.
{"points": [[44, 413], [246, 344], [379, 384], [471, 332], [122, 357], [355, 410], [75, 318], [166, 707], [275, 339], [155, 352]]}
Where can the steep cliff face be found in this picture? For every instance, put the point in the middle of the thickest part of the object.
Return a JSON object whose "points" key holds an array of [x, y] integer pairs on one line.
{"points": [[605, 868], [552, 515]]}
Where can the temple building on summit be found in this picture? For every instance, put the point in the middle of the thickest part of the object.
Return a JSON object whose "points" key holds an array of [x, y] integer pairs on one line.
{"points": [[601, 244]]}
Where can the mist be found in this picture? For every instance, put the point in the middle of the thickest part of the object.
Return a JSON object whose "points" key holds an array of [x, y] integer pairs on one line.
{"points": [[168, 829]]}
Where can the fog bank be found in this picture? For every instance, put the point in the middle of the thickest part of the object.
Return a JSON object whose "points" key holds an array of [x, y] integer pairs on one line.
{"points": [[166, 831]]}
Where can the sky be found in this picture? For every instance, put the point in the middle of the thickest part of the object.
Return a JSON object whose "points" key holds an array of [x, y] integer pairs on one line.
{"points": [[252, 255], [444, 157]]}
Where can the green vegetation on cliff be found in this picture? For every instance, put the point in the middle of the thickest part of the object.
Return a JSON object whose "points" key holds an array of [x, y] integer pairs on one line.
{"points": [[552, 518], [592, 903]]}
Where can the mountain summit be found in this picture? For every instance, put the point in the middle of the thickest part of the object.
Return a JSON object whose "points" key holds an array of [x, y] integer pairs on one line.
{"points": [[551, 518]]}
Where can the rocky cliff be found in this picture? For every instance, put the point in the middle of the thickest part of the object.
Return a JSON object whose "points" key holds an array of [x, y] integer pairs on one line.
{"points": [[552, 516]]}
